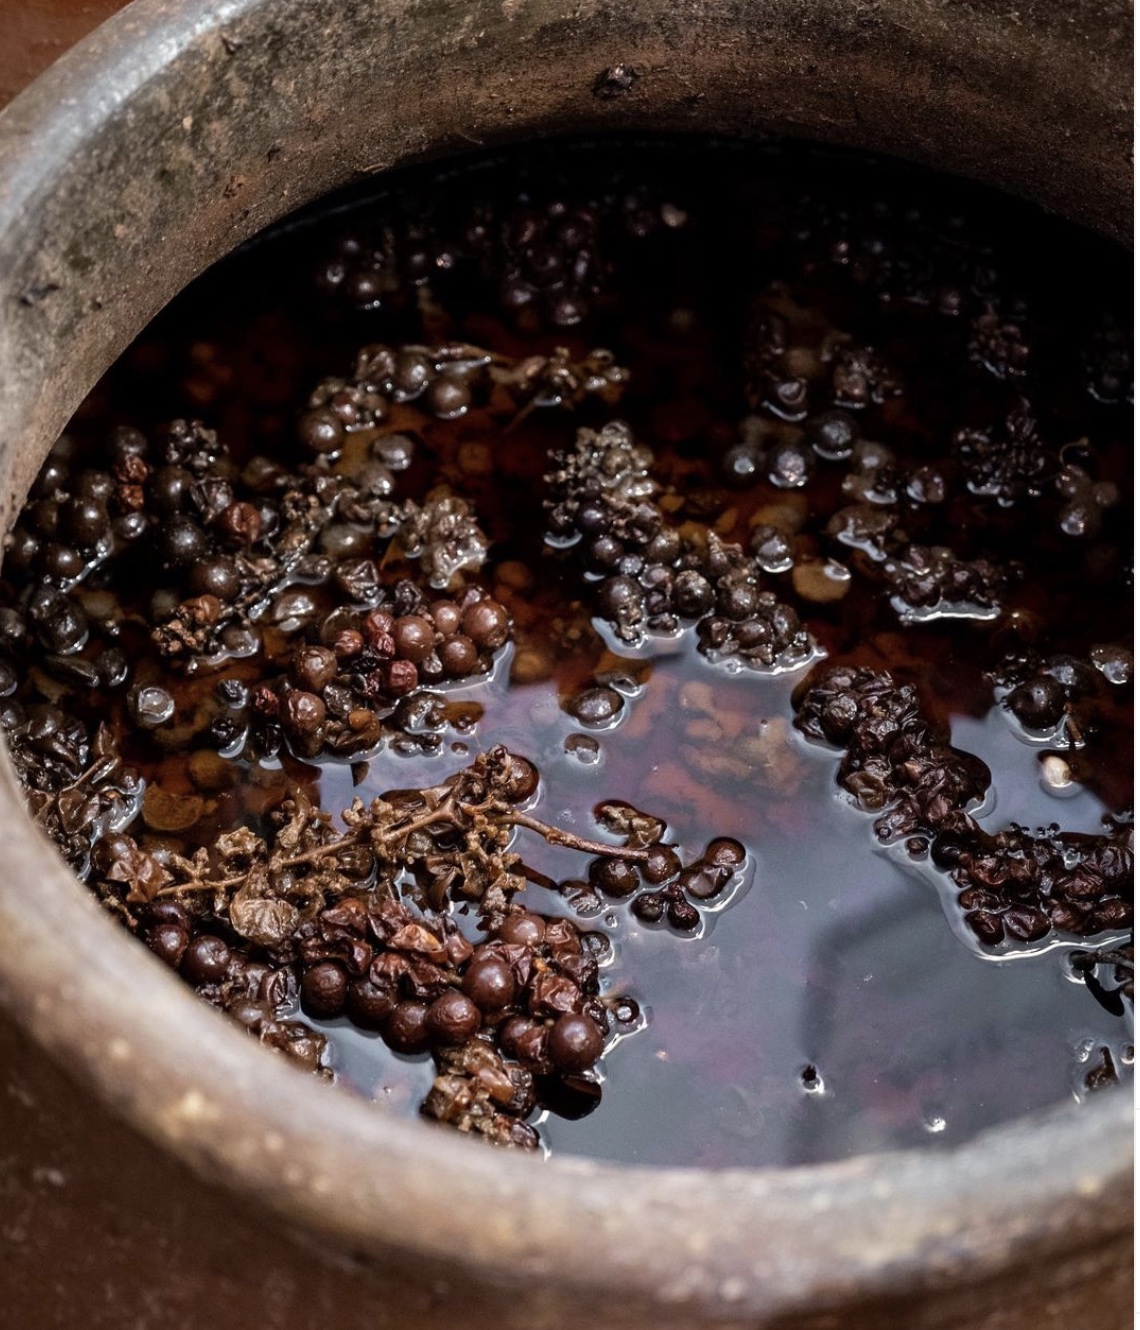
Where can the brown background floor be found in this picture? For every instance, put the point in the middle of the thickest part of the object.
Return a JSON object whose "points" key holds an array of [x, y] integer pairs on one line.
{"points": [[35, 32]]}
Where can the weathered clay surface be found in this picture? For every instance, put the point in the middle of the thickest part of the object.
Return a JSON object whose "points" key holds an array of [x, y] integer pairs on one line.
{"points": [[131, 1238], [173, 134]]}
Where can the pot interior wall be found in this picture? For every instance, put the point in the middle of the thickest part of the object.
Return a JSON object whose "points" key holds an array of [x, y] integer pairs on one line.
{"points": [[267, 107]]}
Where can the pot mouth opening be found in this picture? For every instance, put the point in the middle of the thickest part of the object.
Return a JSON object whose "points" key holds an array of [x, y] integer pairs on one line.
{"points": [[470, 165], [548, 151]]}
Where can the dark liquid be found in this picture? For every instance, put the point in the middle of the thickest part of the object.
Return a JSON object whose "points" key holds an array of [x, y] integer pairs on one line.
{"points": [[837, 1003]]}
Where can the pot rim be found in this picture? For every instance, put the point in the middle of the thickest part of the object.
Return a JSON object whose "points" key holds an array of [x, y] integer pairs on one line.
{"points": [[736, 1241]]}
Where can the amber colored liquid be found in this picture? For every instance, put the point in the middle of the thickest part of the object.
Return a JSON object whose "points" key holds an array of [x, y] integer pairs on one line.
{"points": [[840, 955]]}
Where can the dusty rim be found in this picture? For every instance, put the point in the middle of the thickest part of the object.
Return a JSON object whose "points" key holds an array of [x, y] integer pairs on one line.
{"points": [[179, 130]]}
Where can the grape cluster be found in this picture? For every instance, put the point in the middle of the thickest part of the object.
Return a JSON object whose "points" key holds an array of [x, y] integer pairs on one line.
{"points": [[256, 992], [1022, 884], [1009, 461], [602, 500], [894, 763], [860, 376], [340, 691], [787, 457], [75, 516], [227, 552], [677, 896], [998, 343], [77, 785], [508, 1018], [414, 977], [357, 923], [547, 256], [442, 380], [1014, 883], [932, 582], [832, 372], [901, 254], [175, 498], [1108, 362], [1061, 696], [1084, 500]]}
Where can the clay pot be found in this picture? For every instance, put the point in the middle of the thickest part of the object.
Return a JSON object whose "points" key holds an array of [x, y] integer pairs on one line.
{"points": [[178, 130]]}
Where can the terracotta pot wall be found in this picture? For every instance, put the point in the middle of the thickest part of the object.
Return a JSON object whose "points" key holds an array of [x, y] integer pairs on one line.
{"points": [[99, 1229]]}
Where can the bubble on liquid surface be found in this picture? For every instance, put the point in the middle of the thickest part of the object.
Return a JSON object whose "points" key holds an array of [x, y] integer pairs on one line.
{"points": [[1083, 1049], [810, 1079]]}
